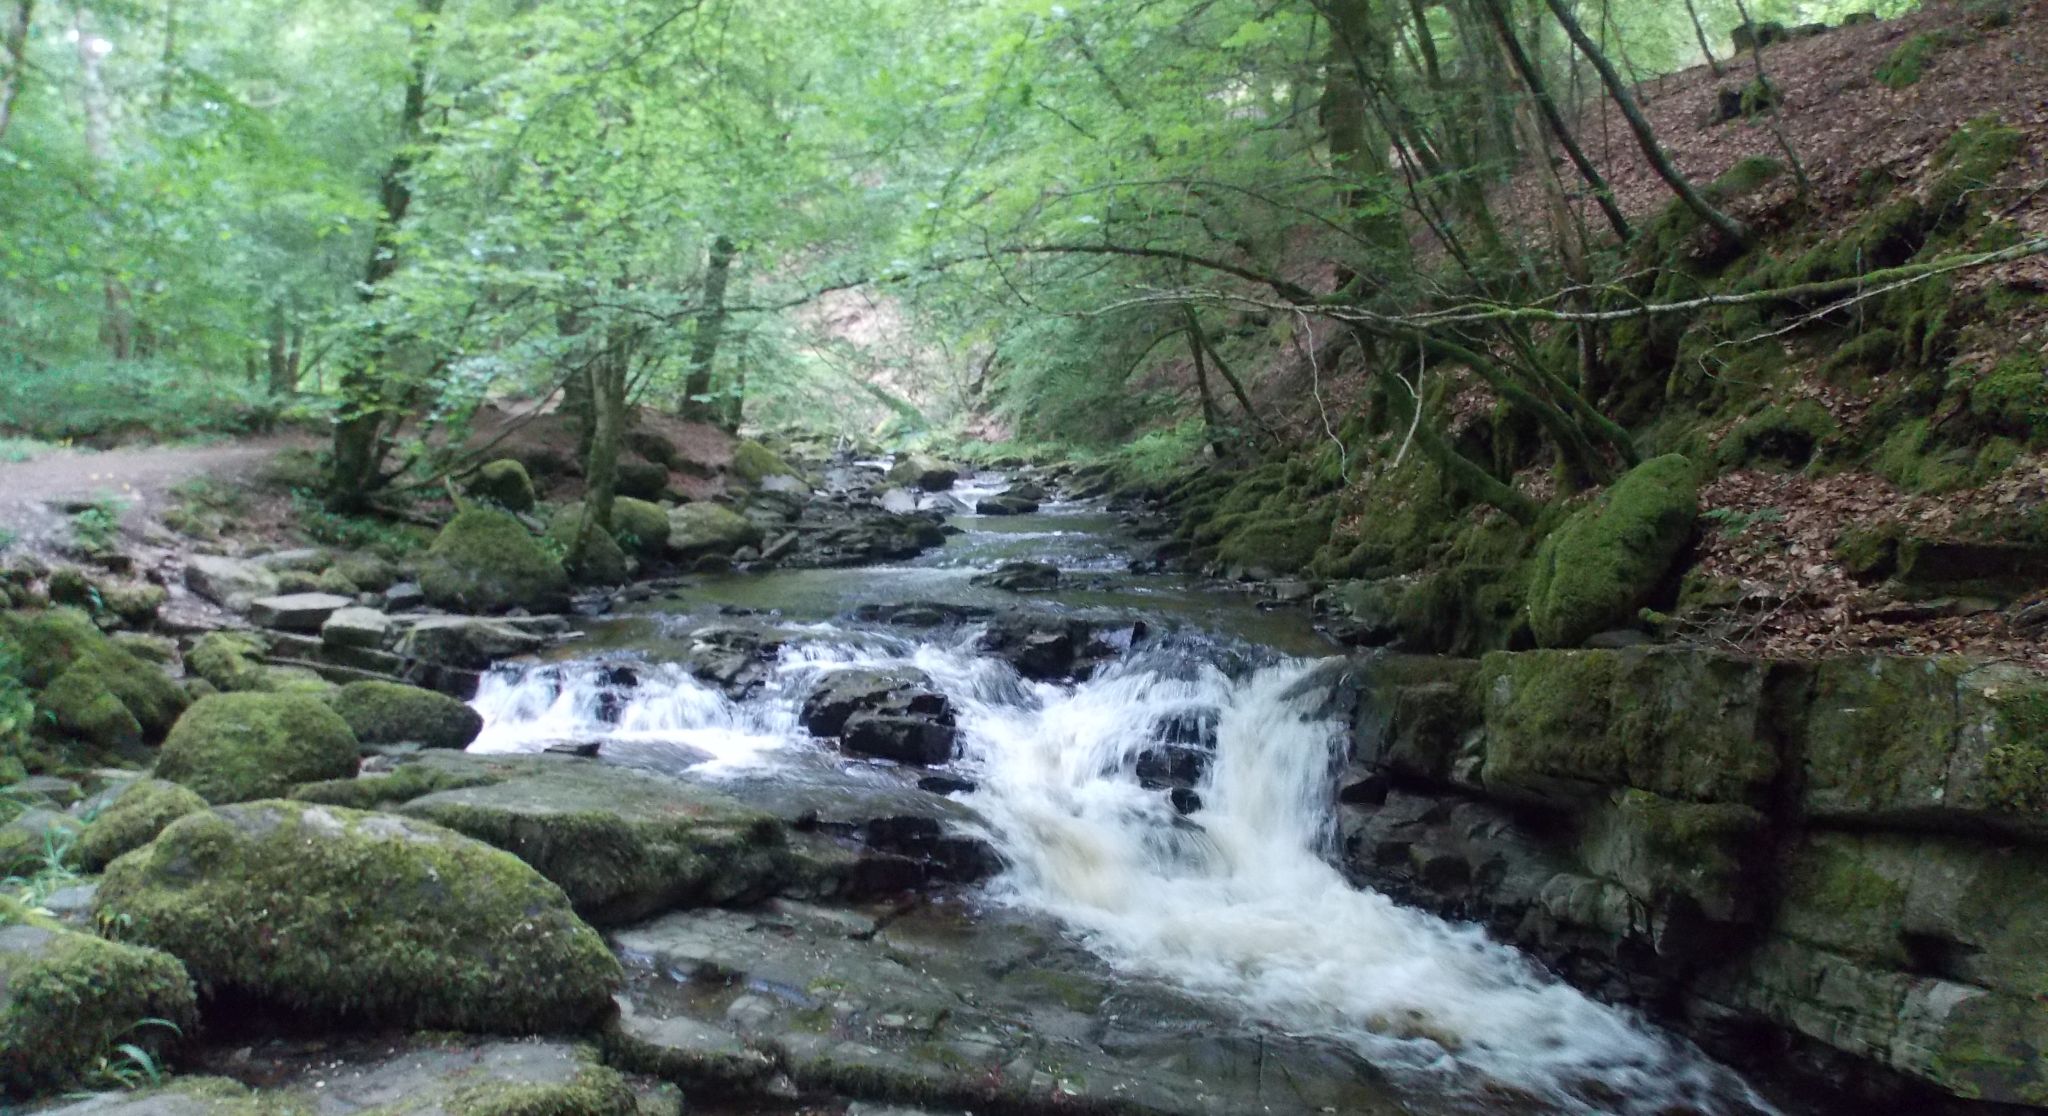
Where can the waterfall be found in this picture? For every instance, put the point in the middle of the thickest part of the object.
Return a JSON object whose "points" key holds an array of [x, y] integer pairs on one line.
{"points": [[1237, 902]]}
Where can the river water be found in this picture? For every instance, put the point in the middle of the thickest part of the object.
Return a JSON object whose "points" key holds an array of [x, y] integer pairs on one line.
{"points": [[1238, 903]]}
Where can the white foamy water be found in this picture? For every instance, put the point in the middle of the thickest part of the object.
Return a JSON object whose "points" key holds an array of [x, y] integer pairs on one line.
{"points": [[1237, 903]]}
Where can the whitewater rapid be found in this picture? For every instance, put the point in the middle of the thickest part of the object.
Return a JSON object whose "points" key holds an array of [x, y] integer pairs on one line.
{"points": [[1238, 902]]}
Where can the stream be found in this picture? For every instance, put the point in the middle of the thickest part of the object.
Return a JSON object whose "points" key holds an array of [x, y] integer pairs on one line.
{"points": [[1229, 896]]}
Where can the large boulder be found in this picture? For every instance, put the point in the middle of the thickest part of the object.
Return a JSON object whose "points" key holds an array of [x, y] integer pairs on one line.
{"points": [[1042, 648], [331, 913], [708, 530], [229, 661], [919, 470], [894, 715], [467, 643], [504, 483], [603, 561], [622, 844], [68, 999], [235, 747], [36, 839], [296, 612], [86, 686], [1005, 504], [640, 526], [487, 561], [1600, 567], [394, 713], [131, 818]]}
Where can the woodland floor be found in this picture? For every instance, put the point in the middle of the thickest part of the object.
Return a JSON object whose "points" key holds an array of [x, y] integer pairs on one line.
{"points": [[35, 495]]}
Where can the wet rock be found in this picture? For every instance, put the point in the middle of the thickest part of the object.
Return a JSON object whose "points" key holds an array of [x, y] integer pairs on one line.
{"points": [[337, 914], [1042, 648], [700, 530], [911, 740], [903, 692], [875, 538], [67, 999], [921, 614], [1005, 504], [735, 659], [231, 583], [919, 471], [1021, 577], [622, 844], [467, 642]]}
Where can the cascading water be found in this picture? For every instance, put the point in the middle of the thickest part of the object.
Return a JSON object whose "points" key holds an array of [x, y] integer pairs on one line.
{"points": [[1236, 902]]}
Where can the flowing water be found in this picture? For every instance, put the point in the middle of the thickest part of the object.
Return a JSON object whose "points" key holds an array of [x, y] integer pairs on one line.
{"points": [[1238, 903]]}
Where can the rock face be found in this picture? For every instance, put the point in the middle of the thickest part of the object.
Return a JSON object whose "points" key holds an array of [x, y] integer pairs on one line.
{"points": [[1596, 570], [236, 747], [894, 715], [486, 561], [393, 713], [919, 471], [67, 999], [368, 918], [467, 643], [1849, 856]]}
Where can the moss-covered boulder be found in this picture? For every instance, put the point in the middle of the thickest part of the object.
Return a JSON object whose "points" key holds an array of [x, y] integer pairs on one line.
{"points": [[69, 999], [640, 526], [392, 713], [235, 747], [420, 776], [487, 561], [641, 480], [339, 914], [132, 818], [1599, 568], [86, 686], [623, 844], [603, 561], [504, 483], [704, 530], [37, 838], [753, 463], [230, 661]]}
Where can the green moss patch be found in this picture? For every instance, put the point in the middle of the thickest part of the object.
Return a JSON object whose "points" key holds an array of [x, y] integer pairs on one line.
{"points": [[392, 713], [487, 561], [132, 819], [67, 1000], [1604, 563], [236, 747], [504, 483]]}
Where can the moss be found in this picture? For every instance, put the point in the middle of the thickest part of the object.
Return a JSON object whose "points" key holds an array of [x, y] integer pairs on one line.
{"points": [[1788, 435], [1968, 162], [504, 483], [1870, 351], [367, 572], [136, 603], [1908, 61], [1869, 551], [2013, 397], [1605, 562], [486, 561], [337, 914], [133, 819], [1279, 542], [1910, 459], [596, 1090], [413, 780], [1759, 96], [753, 463], [1546, 718], [1398, 517], [70, 998], [602, 563], [230, 661], [87, 686], [36, 839], [392, 713], [235, 747]]}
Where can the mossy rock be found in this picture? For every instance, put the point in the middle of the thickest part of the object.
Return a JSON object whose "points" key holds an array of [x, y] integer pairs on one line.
{"points": [[622, 844], [487, 561], [1702, 854], [135, 603], [68, 999], [36, 839], [699, 530], [1273, 540], [642, 480], [132, 819], [640, 526], [1787, 435], [1607, 561], [230, 661], [603, 562], [1908, 61], [366, 918], [369, 573], [87, 686], [393, 713], [2012, 398], [753, 463], [236, 747], [416, 779], [504, 483]]}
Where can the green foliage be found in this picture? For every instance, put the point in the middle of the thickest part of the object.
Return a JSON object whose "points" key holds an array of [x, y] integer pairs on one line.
{"points": [[353, 532], [106, 401]]}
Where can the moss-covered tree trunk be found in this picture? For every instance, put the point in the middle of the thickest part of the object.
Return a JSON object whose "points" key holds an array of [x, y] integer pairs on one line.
{"points": [[607, 380], [359, 430], [1546, 106], [696, 403]]}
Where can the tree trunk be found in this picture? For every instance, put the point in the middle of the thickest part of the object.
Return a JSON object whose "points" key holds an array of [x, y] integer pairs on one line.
{"points": [[1357, 51], [284, 378], [14, 66], [696, 404], [1547, 106], [1699, 32], [1646, 138], [358, 434], [736, 400], [607, 385], [1212, 428]]}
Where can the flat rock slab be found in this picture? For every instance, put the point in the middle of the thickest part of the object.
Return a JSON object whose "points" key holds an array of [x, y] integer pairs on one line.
{"points": [[296, 612], [356, 628], [950, 1008]]}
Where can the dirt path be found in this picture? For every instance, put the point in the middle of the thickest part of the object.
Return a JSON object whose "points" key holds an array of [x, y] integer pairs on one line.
{"points": [[34, 493]]}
